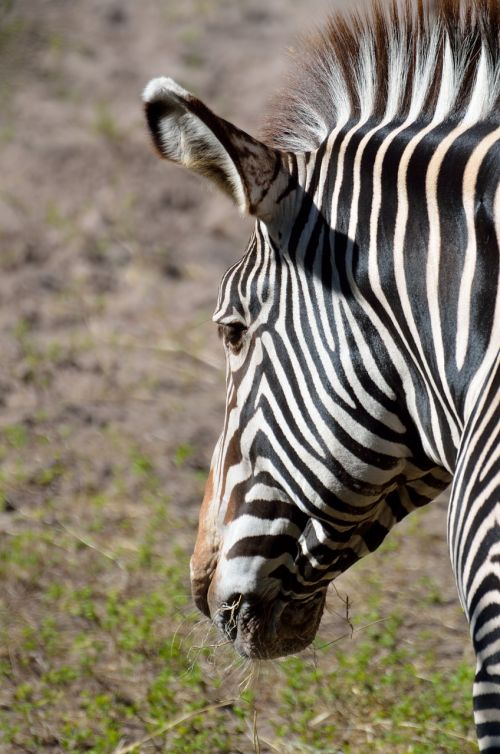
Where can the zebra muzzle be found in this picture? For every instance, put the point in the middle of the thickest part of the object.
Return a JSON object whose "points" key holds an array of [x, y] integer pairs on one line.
{"points": [[263, 629]]}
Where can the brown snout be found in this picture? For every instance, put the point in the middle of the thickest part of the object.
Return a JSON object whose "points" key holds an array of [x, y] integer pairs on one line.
{"points": [[205, 554]]}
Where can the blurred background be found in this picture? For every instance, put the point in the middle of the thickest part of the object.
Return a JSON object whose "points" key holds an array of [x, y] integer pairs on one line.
{"points": [[112, 397]]}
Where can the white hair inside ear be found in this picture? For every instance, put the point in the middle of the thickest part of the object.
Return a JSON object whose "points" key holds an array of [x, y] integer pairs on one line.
{"points": [[185, 131], [182, 136]]}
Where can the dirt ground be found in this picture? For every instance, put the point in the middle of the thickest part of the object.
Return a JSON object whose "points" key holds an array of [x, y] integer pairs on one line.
{"points": [[109, 266]]}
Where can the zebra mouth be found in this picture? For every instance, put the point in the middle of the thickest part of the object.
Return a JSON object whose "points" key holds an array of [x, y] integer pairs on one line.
{"points": [[266, 630]]}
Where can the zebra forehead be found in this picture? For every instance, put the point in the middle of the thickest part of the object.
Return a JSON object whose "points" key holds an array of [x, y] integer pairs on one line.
{"points": [[386, 62]]}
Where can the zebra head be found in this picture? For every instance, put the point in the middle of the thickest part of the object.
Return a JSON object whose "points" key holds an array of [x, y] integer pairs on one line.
{"points": [[310, 470]]}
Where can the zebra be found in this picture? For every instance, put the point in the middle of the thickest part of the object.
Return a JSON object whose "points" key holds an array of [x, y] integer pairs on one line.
{"points": [[362, 325]]}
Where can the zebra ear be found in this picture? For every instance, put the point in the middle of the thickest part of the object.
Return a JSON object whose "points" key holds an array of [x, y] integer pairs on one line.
{"points": [[185, 131]]}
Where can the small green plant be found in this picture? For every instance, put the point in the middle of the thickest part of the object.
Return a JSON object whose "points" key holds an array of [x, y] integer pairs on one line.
{"points": [[106, 124], [183, 453], [141, 464], [16, 435]]}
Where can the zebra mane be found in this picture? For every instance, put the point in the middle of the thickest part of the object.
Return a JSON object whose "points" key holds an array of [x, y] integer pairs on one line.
{"points": [[395, 60]]}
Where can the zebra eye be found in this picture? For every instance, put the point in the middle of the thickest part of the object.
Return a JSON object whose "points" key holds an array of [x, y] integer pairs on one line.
{"points": [[232, 335]]}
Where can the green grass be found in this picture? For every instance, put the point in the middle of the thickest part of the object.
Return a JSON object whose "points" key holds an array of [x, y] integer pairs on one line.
{"points": [[374, 691], [183, 453], [100, 646], [98, 665]]}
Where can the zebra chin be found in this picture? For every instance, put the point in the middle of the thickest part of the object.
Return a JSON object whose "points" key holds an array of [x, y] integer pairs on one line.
{"points": [[267, 629]]}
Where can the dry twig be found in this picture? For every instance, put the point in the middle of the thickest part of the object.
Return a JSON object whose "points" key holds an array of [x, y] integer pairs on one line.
{"points": [[170, 726]]}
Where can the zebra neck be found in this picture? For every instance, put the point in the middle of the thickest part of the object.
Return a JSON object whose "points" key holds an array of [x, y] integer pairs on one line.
{"points": [[371, 227]]}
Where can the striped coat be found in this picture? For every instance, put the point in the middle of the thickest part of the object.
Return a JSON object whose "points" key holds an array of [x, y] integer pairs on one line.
{"points": [[361, 326]]}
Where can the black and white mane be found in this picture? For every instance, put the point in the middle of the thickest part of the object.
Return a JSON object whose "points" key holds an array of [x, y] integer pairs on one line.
{"points": [[386, 63]]}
